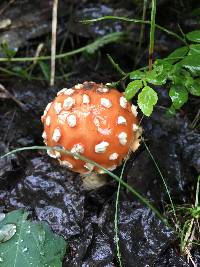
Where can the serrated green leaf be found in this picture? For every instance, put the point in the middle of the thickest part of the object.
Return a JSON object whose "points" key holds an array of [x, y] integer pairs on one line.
{"points": [[194, 36], [136, 74], [192, 63], [179, 74], [193, 86], [33, 244], [154, 78], [147, 98], [109, 38], [159, 74], [133, 88], [162, 66], [178, 95], [177, 54], [194, 49]]}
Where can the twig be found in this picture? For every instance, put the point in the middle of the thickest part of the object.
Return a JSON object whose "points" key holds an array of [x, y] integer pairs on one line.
{"points": [[189, 258], [35, 61], [53, 42], [6, 92], [38, 51], [7, 5], [196, 120]]}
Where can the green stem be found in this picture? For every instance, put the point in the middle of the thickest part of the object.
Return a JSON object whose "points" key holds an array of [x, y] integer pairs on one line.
{"points": [[141, 32], [143, 25], [152, 33], [26, 59], [12, 73], [136, 21], [102, 40], [116, 66]]}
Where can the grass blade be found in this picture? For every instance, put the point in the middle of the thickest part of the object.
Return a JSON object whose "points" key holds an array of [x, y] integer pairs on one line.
{"points": [[140, 21], [152, 32], [115, 177], [164, 182]]}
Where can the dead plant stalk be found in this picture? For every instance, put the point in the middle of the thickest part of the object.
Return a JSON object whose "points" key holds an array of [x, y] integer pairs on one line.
{"points": [[53, 41]]}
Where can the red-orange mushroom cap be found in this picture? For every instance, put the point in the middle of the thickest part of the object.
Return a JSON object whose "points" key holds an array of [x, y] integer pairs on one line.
{"points": [[94, 121]]}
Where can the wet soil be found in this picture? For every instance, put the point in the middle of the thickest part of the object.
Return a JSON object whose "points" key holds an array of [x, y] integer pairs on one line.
{"points": [[33, 181]]}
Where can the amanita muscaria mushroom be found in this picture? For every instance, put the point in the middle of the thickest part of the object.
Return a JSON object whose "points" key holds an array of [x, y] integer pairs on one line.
{"points": [[94, 121]]}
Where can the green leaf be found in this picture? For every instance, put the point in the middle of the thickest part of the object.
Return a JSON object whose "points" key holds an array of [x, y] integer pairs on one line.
{"points": [[170, 112], [192, 63], [136, 74], [195, 12], [178, 95], [109, 38], [33, 244], [21, 72], [178, 54], [162, 66], [194, 36], [179, 74], [147, 98], [154, 78], [160, 72], [178, 79], [194, 49], [8, 52], [133, 88], [45, 69], [193, 86]]}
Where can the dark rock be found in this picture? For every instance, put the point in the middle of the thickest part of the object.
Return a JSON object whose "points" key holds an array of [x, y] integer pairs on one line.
{"points": [[175, 148], [9, 167], [52, 194], [171, 259], [143, 239], [196, 255], [33, 181], [29, 20]]}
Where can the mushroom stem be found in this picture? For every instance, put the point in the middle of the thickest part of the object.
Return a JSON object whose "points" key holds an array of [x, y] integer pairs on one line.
{"points": [[93, 180], [136, 141]]}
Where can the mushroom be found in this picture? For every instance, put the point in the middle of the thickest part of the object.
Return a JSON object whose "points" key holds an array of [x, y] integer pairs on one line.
{"points": [[92, 120]]}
